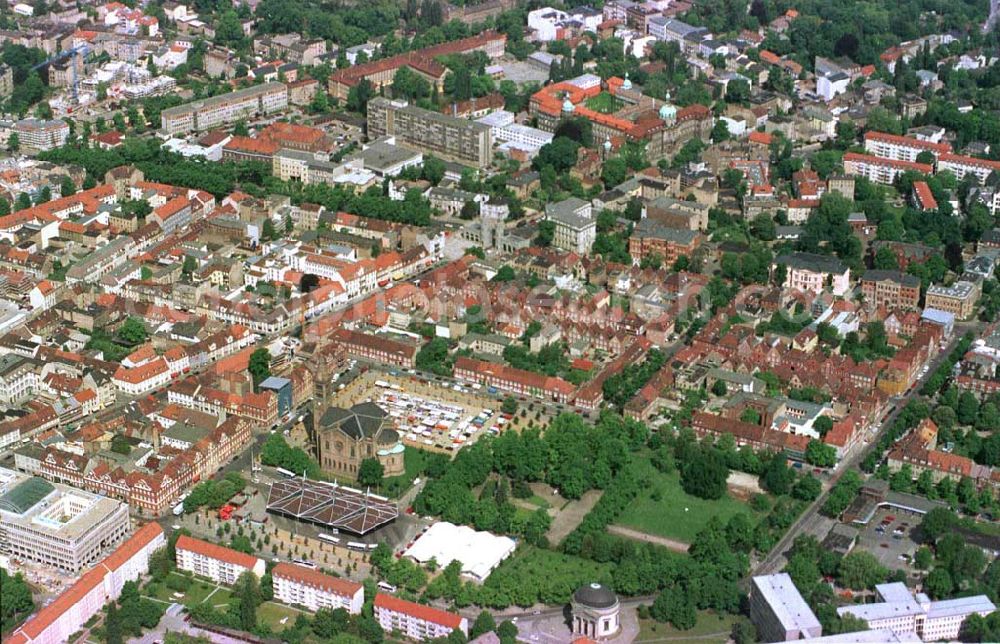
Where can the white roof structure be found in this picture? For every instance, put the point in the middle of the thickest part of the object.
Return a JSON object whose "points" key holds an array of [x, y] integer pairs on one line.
{"points": [[479, 552], [787, 604], [878, 636], [898, 601]]}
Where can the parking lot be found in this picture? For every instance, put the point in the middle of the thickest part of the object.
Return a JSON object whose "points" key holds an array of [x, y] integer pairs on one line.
{"points": [[889, 537]]}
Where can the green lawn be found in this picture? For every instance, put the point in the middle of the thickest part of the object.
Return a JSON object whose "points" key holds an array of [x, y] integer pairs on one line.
{"points": [[536, 500], [414, 462], [272, 614], [677, 515], [196, 594], [604, 103], [707, 631], [220, 599]]}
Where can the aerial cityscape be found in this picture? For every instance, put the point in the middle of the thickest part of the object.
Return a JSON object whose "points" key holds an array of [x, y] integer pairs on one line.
{"points": [[497, 321]]}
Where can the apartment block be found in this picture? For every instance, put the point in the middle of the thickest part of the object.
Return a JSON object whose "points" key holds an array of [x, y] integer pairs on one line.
{"points": [[880, 170], [251, 102], [901, 148], [66, 615], [37, 136], [416, 621], [220, 564], [517, 381], [298, 585], [961, 165], [448, 137], [891, 289], [959, 299]]}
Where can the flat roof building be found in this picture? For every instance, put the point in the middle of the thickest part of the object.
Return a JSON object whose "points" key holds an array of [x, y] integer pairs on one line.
{"points": [[57, 525], [778, 610], [204, 114], [451, 138], [902, 612]]}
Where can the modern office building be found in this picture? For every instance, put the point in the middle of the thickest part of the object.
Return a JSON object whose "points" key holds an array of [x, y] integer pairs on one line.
{"points": [[902, 612], [57, 525], [448, 137], [416, 621], [779, 612], [224, 109], [220, 564], [298, 585]]}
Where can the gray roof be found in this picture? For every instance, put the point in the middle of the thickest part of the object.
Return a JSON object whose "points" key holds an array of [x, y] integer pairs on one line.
{"points": [[595, 596], [812, 262], [25, 495], [382, 156], [363, 420], [651, 228], [891, 276]]}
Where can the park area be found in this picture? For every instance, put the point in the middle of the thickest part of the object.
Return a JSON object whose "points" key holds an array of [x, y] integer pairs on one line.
{"points": [[711, 628], [666, 510], [204, 591]]}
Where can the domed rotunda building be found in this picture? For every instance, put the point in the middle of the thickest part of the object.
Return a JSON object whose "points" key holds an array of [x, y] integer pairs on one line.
{"points": [[595, 612]]}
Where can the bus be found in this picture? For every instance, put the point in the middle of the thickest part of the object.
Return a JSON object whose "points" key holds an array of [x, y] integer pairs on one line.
{"points": [[305, 563], [387, 587], [328, 538], [179, 509], [287, 473], [354, 545]]}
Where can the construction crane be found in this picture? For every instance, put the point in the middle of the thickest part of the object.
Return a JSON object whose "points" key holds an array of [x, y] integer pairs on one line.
{"points": [[80, 51]]}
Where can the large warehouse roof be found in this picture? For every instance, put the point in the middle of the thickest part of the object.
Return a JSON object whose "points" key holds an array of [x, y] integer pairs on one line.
{"points": [[479, 552], [330, 505]]}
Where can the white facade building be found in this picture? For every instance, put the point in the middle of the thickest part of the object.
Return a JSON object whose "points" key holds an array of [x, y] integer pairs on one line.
{"points": [[298, 585], [221, 565]]}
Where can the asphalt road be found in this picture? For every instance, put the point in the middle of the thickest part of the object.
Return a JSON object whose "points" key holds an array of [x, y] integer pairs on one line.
{"points": [[776, 558]]}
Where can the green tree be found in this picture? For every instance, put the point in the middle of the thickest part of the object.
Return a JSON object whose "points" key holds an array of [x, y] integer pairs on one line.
{"points": [[247, 591], [113, 625], [704, 474], [16, 601], [484, 624], [133, 331], [860, 570], [370, 472], [260, 365], [190, 265], [68, 188], [936, 523]]}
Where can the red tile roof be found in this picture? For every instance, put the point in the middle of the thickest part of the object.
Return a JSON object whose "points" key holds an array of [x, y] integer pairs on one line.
{"points": [[419, 611], [310, 577], [908, 141], [924, 196], [215, 551]]}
